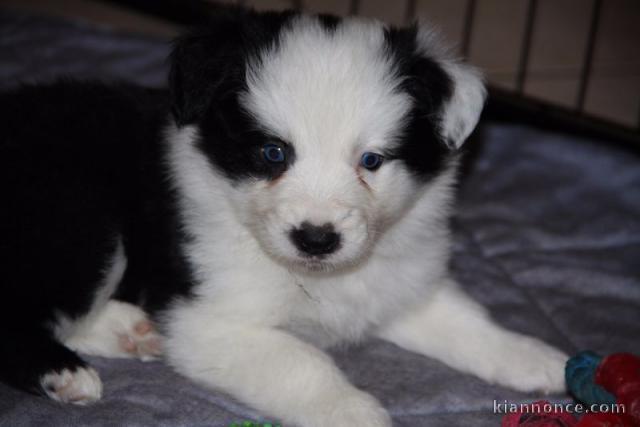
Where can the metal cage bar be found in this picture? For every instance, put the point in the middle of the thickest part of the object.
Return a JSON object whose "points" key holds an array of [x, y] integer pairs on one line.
{"points": [[467, 27], [587, 65], [354, 7], [525, 48], [410, 11]]}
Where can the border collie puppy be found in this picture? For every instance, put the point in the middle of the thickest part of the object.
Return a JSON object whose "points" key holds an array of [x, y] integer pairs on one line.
{"points": [[292, 195]]}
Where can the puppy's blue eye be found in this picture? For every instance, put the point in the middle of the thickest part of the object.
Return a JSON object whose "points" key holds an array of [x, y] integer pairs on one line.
{"points": [[273, 153], [371, 161]]}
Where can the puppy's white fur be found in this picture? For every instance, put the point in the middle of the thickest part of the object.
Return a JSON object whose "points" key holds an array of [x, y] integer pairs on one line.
{"points": [[262, 313]]}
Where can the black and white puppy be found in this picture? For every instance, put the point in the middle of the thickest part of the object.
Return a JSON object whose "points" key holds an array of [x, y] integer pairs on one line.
{"points": [[293, 195]]}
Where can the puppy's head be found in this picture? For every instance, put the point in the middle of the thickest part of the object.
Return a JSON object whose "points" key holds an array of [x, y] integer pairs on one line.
{"points": [[327, 129]]}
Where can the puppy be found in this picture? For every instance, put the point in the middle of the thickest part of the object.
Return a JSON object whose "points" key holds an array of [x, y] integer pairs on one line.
{"points": [[292, 195]]}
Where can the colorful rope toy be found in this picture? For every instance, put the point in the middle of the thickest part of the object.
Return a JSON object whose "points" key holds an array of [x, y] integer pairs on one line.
{"points": [[592, 380]]}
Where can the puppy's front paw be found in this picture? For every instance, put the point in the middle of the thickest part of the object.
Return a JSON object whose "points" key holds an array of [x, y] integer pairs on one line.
{"points": [[528, 364], [358, 409], [81, 386]]}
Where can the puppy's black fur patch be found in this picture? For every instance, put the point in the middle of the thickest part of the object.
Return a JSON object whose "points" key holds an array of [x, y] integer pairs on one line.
{"points": [[80, 168], [422, 147], [206, 81], [329, 22]]}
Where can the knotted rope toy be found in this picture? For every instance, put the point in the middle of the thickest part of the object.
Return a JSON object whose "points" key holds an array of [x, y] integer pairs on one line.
{"points": [[580, 374], [592, 380]]}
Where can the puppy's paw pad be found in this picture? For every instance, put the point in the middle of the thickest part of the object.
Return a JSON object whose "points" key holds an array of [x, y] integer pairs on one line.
{"points": [[119, 330], [80, 387], [141, 340]]}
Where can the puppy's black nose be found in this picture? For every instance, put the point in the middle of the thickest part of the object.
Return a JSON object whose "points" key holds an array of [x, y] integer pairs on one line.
{"points": [[315, 240]]}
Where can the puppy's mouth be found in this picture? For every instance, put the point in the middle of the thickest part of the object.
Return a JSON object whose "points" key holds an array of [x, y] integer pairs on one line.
{"points": [[314, 264]]}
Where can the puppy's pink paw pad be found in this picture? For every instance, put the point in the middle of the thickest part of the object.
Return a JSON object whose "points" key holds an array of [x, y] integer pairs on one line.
{"points": [[141, 341]]}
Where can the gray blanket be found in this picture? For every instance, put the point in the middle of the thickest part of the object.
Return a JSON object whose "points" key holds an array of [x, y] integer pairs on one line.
{"points": [[547, 235]]}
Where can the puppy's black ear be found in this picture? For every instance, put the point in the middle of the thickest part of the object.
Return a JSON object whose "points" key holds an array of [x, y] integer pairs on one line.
{"points": [[446, 91], [460, 113], [205, 62]]}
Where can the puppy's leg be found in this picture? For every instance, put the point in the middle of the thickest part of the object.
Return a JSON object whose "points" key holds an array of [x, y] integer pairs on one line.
{"points": [[273, 372], [120, 329], [458, 331], [33, 361]]}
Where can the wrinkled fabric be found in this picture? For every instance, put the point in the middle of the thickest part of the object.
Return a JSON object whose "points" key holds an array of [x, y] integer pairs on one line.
{"points": [[546, 234]]}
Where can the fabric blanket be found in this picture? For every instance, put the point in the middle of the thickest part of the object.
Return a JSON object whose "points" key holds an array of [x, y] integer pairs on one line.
{"points": [[547, 235]]}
